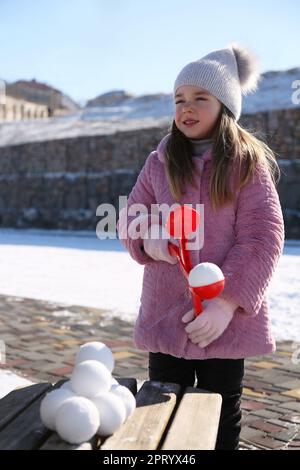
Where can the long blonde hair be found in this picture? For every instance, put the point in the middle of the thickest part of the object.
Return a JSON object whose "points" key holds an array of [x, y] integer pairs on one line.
{"points": [[232, 145]]}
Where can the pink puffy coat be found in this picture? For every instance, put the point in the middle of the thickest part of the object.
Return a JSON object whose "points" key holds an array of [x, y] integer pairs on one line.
{"points": [[245, 239]]}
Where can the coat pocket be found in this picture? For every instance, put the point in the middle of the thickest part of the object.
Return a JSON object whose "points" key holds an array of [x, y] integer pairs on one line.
{"points": [[164, 287], [167, 333]]}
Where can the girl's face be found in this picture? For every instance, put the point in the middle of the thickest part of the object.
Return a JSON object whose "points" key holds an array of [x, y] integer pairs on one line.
{"points": [[196, 104]]}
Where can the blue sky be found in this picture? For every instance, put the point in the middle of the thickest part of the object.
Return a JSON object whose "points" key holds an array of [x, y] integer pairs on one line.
{"points": [[89, 47]]}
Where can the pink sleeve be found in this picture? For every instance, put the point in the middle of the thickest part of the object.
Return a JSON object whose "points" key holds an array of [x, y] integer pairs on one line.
{"points": [[259, 239], [142, 193]]}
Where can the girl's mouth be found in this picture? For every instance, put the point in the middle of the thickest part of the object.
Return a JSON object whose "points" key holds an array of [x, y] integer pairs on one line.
{"points": [[190, 122]]}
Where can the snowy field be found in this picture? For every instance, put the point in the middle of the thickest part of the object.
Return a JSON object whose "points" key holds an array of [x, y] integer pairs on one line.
{"points": [[77, 268]]}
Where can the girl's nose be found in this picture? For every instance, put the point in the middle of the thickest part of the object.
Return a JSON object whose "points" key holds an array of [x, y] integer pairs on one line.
{"points": [[186, 106]]}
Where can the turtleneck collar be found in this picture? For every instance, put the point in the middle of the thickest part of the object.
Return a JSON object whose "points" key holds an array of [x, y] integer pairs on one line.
{"points": [[162, 147], [200, 146]]}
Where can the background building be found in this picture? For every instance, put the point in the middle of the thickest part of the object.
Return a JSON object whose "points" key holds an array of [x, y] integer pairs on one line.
{"points": [[32, 100]]}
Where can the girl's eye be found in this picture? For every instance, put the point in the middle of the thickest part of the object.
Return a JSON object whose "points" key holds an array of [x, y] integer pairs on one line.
{"points": [[203, 99]]}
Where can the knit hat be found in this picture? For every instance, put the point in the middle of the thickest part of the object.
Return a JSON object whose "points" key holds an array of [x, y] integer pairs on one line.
{"points": [[225, 73]]}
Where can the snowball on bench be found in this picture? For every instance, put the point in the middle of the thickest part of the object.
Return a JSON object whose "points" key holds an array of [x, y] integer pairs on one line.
{"points": [[50, 404], [77, 420], [90, 378], [96, 351]]}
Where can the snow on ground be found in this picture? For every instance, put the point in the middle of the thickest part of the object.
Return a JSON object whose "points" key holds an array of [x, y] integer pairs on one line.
{"points": [[73, 269], [284, 294], [78, 268], [10, 381]]}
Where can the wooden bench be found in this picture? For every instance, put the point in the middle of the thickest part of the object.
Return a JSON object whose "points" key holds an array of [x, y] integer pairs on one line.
{"points": [[167, 417]]}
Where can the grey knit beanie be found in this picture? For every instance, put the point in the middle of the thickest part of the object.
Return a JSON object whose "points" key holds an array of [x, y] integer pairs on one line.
{"points": [[225, 73]]}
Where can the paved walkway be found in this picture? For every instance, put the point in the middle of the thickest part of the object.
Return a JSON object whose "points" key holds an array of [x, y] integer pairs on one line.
{"points": [[41, 340]]}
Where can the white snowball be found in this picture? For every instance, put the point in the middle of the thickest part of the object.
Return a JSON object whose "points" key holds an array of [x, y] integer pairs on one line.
{"points": [[112, 413], [77, 420], [67, 385], [114, 381], [96, 351], [204, 274], [126, 396], [50, 404], [89, 378]]}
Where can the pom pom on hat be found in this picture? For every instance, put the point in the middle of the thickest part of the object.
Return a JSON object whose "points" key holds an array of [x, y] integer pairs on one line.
{"points": [[248, 68]]}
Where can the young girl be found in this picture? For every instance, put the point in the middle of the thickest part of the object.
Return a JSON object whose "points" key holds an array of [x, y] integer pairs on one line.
{"points": [[208, 158]]}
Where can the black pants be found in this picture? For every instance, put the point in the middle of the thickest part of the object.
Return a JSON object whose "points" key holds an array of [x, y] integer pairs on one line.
{"points": [[224, 376]]}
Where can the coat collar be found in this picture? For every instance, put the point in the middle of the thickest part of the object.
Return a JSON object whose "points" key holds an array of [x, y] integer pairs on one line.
{"points": [[162, 146]]}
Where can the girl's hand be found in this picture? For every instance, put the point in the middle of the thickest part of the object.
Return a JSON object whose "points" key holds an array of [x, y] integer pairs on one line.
{"points": [[157, 247], [212, 322]]}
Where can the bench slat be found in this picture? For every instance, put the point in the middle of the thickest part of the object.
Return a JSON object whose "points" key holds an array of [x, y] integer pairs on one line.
{"points": [[144, 429], [16, 401], [26, 431], [197, 406]]}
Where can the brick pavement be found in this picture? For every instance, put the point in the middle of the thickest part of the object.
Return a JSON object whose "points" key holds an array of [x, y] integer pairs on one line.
{"points": [[41, 340]]}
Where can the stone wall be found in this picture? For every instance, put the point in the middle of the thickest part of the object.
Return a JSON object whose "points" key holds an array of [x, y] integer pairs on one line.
{"points": [[60, 183], [281, 130]]}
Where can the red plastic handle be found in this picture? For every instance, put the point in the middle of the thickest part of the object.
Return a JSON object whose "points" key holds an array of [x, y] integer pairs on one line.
{"points": [[186, 267], [180, 224]]}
